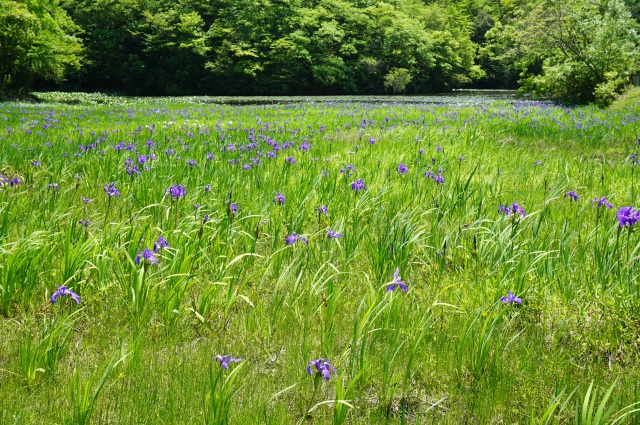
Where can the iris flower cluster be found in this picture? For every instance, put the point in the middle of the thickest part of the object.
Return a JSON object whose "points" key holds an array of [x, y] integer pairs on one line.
{"points": [[293, 238], [515, 208], [438, 178], [110, 189], [358, 185], [627, 216], [176, 191]]}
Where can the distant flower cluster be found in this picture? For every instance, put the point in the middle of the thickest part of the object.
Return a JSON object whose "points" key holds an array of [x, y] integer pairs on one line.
{"points": [[438, 178]]}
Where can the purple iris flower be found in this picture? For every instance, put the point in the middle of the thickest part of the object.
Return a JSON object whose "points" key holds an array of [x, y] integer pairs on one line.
{"points": [[160, 244], [85, 223], [146, 256], [86, 200], [397, 282], [421, 152], [110, 189], [515, 208], [293, 238], [132, 170], [234, 208], [322, 367], [572, 195], [192, 162], [196, 207], [627, 217], [372, 141], [439, 148], [438, 178], [510, 298], [225, 360], [53, 186], [176, 191], [349, 169], [207, 188], [63, 291], [402, 169], [333, 235], [205, 219], [290, 160], [322, 209], [305, 146], [602, 201], [36, 164], [278, 199], [358, 185]]}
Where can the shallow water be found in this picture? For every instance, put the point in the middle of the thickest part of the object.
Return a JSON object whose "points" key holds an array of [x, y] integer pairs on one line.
{"points": [[458, 97]]}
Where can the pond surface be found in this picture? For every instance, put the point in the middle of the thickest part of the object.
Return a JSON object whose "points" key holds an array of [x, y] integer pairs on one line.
{"points": [[458, 97], [455, 97]]}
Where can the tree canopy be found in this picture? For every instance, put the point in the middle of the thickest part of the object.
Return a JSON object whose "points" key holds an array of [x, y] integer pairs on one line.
{"points": [[582, 50], [37, 39]]}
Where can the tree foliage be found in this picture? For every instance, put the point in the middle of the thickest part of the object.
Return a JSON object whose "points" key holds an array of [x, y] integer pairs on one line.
{"points": [[580, 50], [37, 39], [586, 48]]}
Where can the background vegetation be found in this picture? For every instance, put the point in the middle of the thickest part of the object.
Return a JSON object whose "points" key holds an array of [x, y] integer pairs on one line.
{"points": [[578, 50]]}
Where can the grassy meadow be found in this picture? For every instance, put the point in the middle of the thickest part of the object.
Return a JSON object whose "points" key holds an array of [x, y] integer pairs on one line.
{"points": [[286, 233]]}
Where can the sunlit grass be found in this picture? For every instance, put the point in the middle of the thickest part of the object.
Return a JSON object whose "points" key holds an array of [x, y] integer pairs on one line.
{"points": [[141, 345]]}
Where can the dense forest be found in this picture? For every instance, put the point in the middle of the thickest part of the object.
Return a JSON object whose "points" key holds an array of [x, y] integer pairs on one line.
{"points": [[579, 50]]}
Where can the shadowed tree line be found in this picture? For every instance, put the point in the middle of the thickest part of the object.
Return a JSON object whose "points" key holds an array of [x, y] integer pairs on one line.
{"points": [[579, 50]]}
